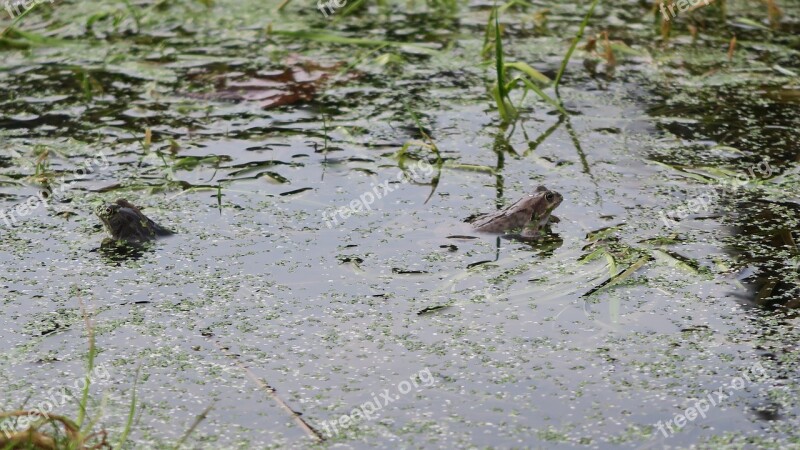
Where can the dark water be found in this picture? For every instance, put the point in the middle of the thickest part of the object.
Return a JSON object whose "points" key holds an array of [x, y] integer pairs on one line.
{"points": [[678, 168]]}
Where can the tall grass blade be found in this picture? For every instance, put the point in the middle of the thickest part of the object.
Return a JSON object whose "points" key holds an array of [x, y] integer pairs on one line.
{"points": [[90, 368], [131, 413], [575, 41], [501, 93], [486, 52]]}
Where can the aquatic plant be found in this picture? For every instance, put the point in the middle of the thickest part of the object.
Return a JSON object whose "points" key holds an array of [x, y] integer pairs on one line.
{"points": [[63, 432], [529, 77], [44, 430]]}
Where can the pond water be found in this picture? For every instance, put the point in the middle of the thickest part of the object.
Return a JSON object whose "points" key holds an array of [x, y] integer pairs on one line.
{"points": [[671, 277]]}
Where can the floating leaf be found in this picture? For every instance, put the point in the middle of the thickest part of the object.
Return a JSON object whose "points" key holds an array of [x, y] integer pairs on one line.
{"points": [[751, 22], [407, 272], [296, 191], [253, 166], [299, 82], [432, 309], [274, 176], [471, 167]]}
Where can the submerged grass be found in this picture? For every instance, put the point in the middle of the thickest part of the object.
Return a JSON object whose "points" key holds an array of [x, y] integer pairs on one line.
{"points": [[430, 144]]}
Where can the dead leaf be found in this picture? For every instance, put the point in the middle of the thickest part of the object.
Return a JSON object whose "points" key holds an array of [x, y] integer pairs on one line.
{"points": [[297, 83]]}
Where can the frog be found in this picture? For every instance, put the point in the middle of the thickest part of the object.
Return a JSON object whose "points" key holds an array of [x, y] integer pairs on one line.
{"points": [[530, 213], [125, 222]]}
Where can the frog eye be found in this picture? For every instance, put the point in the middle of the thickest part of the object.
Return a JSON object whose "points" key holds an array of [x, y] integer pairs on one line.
{"points": [[549, 196], [108, 210]]}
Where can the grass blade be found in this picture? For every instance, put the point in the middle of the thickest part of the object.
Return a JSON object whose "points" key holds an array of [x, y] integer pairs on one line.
{"points": [[625, 274], [498, 54], [529, 71], [572, 47], [541, 94], [500, 92], [19, 18], [131, 413], [85, 393], [191, 429]]}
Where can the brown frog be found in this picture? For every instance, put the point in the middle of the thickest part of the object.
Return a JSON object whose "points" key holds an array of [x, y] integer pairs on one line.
{"points": [[125, 222], [531, 214]]}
